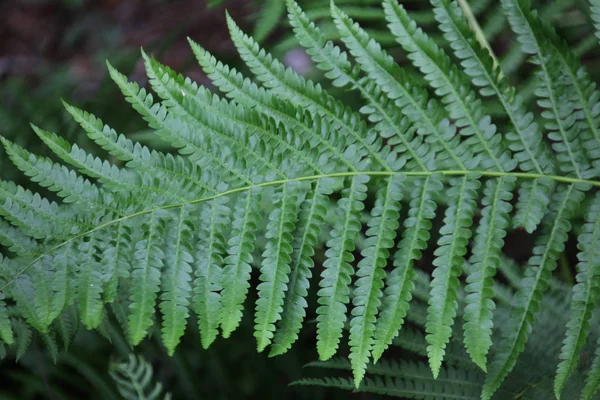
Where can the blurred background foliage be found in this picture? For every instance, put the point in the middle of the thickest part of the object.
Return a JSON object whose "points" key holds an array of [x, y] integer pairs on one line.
{"points": [[52, 49]]}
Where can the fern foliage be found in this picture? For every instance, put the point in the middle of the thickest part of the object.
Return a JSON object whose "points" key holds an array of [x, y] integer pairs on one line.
{"points": [[275, 188], [135, 379]]}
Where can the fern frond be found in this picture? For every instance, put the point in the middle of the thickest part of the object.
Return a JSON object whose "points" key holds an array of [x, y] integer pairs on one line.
{"points": [[268, 19], [280, 167], [411, 99], [236, 272], [6, 331], [592, 382], [453, 86], [559, 108], [448, 262], [177, 277], [147, 265], [209, 268], [368, 288], [275, 266], [526, 142], [290, 85], [134, 379], [585, 295], [337, 270], [527, 300], [310, 222], [487, 249], [400, 282], [412, 383]]}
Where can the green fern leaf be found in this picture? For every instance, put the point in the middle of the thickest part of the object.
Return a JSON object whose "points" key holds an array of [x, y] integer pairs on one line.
{"points": [[209, 268], [411, 99], [275, 267], [449, 261], [90, 285], [268, 19], [310, 222], [487, 249], [585, 295], [400, 282], [147, 265], [335, 279], [368, 288], [236, 272], [176, 279], [453, 86], [6, 332], [592, 382], [527, 300]]}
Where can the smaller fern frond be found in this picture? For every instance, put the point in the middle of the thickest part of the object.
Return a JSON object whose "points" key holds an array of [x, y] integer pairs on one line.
{"points": [[268, 19], [134, 379]]}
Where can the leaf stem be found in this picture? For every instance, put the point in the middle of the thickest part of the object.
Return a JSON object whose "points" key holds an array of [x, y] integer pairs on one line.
{"points": [[468, 12], [347, 174]]}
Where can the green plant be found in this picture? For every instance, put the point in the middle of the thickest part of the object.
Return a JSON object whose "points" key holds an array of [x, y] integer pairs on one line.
{"points": [[459, 378], [184, 231], [135, 380]]}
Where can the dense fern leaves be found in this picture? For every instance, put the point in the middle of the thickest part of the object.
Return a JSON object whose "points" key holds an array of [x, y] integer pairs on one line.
{"points": [[278, 190]]}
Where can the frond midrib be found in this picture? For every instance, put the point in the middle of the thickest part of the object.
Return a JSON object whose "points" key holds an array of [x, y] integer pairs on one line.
{"points": [[447, 173]]}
